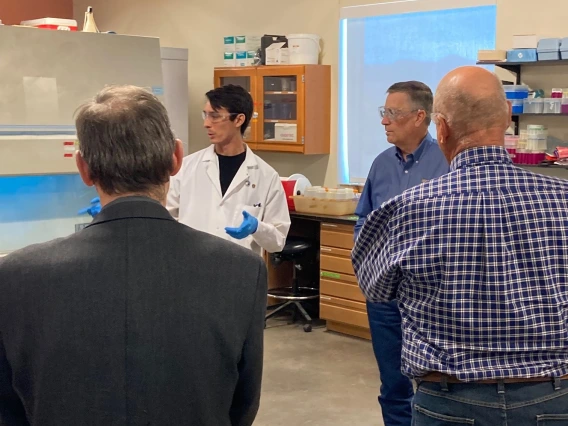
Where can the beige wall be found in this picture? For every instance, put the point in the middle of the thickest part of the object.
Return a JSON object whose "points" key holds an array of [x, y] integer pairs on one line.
{"points": [[200, 25]]}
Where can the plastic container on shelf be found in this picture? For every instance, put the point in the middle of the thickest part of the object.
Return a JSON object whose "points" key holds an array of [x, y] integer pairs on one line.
{"points": [[548, 49], [511, 144], [556, 93], [537, 136], [517, 106], [521, 55], [564, 48], [514, 91], [522, 143], [564, 106], [304, 48], [533, 106], [552, 106], [324, 206]]}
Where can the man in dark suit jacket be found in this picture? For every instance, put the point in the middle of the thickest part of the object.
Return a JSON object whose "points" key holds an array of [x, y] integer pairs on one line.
{"points": [[137, 319]]}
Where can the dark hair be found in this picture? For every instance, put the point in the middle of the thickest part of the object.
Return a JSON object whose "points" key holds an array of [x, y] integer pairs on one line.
{"points": [[419, 93], [234, 99], [126, 140]]}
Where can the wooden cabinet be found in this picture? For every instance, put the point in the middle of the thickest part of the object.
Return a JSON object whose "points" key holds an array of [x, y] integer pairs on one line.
{"points": [[342, 304], [292, 105]]}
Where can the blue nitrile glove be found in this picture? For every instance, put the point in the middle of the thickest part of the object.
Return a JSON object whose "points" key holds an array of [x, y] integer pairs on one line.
{"points": [[248, 227], [94, 209]]}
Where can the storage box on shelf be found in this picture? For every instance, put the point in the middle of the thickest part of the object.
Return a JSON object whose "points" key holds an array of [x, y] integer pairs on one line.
{"points": [[293, 103], [342, 304], [531, 106]]}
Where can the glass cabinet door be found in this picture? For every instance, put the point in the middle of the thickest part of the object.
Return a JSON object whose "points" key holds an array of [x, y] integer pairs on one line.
{"points": [[280, 96], [243, 81], [247, 80]]}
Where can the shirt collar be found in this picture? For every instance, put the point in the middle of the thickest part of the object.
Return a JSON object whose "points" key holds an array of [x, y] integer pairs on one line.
{"points": [[211, 156], [418, 151], [130, 207], [481, 155]]}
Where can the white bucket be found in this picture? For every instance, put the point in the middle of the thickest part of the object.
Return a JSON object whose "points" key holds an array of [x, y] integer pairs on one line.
{"points": [[304, 48]]}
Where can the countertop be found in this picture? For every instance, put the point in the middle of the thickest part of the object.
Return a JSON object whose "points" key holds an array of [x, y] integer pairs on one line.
{"points": [[348, 220]]}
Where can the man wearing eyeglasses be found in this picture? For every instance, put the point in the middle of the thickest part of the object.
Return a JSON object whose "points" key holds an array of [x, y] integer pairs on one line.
{"points": [[415, 158], [225, 189]]}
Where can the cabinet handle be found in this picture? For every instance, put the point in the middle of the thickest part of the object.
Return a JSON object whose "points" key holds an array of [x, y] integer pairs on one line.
{"points": [[329, 225], [325, 249], [325, 298]]}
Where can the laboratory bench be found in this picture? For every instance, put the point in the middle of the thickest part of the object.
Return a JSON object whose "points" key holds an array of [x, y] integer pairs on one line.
{"points": [[341, 304]]}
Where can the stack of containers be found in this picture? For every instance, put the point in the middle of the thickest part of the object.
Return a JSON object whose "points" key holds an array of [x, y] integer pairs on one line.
{"points": [[553, 105], [564, 101], [536, 144], [516, 94], [239, 51], [511, 144]]}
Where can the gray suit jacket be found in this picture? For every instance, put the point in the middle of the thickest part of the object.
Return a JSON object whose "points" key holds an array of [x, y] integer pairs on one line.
{"points": [[135, 320]]}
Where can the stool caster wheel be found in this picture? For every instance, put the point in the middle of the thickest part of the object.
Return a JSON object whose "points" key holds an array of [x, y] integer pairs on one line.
{"points": [[307, 328], [265, 324]]}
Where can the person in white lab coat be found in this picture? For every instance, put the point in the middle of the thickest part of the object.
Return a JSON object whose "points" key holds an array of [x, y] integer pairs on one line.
{"points": [[225, 189]]}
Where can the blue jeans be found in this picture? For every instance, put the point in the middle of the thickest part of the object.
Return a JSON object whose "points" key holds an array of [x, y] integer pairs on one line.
{"points": [[514, 404], [396, 389]]}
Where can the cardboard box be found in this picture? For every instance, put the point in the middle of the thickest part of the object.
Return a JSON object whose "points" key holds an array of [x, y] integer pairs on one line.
{"points": [[491, 55], [284, 56], [241, 59], [250, 57], [246, 43], [286, 132], [525, 41], [276, 54], [229, 43], [229, 60]]}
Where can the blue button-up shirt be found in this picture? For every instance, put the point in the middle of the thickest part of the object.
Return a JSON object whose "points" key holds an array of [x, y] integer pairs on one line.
{"points": [[478, 259], [390, 175]]}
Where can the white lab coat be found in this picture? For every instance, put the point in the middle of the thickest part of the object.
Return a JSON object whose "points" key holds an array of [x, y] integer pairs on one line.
{"points": [[195, 200]]}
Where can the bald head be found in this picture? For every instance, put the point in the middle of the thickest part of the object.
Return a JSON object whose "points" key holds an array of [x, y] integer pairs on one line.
{"points": [[472, 100]]}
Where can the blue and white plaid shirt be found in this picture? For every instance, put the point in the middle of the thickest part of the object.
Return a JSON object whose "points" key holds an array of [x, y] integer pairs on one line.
{"points": [[478, 259]]}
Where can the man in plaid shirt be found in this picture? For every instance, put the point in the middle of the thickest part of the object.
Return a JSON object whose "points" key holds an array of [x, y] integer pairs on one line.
{"points": [[478, 260]]}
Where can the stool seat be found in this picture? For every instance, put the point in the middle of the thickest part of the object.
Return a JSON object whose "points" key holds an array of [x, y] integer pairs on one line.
{"points": [[295, 250], [294, 247]]}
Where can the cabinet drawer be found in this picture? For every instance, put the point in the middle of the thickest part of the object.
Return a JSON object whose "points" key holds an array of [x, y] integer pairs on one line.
{"points": [[334, 310], [341, 289], [336, 276], [333, 238], [336, 264], [338, 227], [334, 251]]}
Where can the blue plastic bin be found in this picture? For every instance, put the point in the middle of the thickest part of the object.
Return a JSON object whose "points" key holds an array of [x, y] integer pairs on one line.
{"points": [[548, 49], [516, 91], [521, 55]]}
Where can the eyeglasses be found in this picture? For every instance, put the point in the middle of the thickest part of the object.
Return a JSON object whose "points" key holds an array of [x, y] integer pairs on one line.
{"points": [[395, 114], [216, 117]]}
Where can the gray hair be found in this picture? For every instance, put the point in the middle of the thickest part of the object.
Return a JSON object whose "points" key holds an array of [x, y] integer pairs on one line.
{"points": [[126, 140], [419, 93]]}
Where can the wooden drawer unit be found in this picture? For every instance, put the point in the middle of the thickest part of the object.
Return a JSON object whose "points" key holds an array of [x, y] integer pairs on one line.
{"points": [[344, 311], [335, 263], [333, 235], [342, 304], [344, 290]]}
